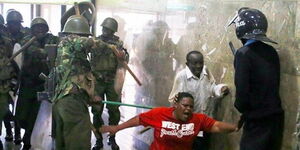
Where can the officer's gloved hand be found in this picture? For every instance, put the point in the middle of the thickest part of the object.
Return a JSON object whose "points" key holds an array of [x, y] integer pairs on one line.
{"points": [[121, 55], [126, 56], [225, 90]]}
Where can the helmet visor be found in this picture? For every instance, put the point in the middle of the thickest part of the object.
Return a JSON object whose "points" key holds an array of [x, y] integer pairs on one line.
{"points": [[233, 19]]}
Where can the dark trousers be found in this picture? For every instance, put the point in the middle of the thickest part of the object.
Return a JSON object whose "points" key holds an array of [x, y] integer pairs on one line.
{"points": [[3, 106], [202, 143], [26, 116], [263, 134], [72, 123], [7, 119], [106, 88]]}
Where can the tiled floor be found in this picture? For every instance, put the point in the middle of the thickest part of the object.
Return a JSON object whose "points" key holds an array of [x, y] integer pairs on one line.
{"points": [[126, 139]]}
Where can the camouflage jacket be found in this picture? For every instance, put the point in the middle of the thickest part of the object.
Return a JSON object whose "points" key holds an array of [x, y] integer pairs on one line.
{"points": [[155, 54], [72, 66], [35, 63], [104, 63], [7, 71], [18, 38], [4, 31]]}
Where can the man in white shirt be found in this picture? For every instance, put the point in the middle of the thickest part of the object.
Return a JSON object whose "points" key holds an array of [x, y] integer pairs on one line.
{"points": [[197, 80]]}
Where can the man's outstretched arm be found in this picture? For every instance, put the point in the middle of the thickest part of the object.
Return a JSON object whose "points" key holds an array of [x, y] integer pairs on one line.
{"points": [[223, 127], [115, 128]]}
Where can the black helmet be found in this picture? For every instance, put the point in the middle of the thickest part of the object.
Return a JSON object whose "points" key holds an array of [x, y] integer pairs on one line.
{"points": [[160, 25], [251, 24], [14, 15], [110, 23], [78, 25]]}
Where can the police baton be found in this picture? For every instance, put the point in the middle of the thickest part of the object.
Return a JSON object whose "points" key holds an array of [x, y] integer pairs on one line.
{"points": [[123, 104], [116, 52], [131, 105], [232, 48], [24, 47]]}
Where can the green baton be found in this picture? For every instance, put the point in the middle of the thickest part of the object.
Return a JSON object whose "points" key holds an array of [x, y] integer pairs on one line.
{"points": [[123, 104]]}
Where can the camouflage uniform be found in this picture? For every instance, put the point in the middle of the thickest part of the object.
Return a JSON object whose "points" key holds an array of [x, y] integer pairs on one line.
{"points": [[155, 51], [35, 62], [74, 90], [17, 38], [104, 65], [7, 72], [13, 18]]}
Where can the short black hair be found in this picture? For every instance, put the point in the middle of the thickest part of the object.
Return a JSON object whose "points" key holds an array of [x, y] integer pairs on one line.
{"points": [[181, 95], [192, 52]]}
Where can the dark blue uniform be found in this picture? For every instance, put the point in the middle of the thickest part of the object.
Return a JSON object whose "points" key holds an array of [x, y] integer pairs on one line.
{"points": [[257, 78]]}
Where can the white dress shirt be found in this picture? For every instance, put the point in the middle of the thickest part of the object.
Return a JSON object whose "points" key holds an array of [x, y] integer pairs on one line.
{"points": [[203, 89]]}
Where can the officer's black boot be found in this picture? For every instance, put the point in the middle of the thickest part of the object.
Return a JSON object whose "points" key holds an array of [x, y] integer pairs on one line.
{"points": [[112, 143], [18, 139], [26, 147], [7, 119], [9, 135], [26, 140], [1, 145], [98, 144]]}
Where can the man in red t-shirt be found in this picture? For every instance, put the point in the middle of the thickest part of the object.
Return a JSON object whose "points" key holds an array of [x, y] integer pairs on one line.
{"points": [[174, 127]]}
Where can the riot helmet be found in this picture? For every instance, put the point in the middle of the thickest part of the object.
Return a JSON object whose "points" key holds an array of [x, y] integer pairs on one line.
{"points": [[110, 23], [78, 25], [160, 28], [251, 24], [160, 25], [39, 27], [39, 21], [14, 15]]}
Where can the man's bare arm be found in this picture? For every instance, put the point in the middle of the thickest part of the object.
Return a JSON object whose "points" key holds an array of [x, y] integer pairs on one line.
{"points": [[114, 129], [222, 127]]}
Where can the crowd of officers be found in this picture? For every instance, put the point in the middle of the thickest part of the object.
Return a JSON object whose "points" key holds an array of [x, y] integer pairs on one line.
{"points": [[82, 65], [85, 70]]}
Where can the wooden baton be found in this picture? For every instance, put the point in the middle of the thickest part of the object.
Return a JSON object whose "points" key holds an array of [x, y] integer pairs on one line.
{"points": [[25, 46], [116, 52]]}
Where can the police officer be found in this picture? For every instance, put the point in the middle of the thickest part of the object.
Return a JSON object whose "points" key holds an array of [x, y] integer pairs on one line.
{"points": [[7, 73], [155, 51], [104, 66], [257, 78], [16, 31], [75, 86], [34, 63], [9, 116]]}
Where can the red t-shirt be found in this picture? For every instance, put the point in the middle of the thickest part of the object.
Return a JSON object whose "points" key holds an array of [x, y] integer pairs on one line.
{"points": [[170, 133]]}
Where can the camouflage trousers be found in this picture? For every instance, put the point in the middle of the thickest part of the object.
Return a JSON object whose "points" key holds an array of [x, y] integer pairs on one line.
{"points": [[107, 89], [72, 123]]}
